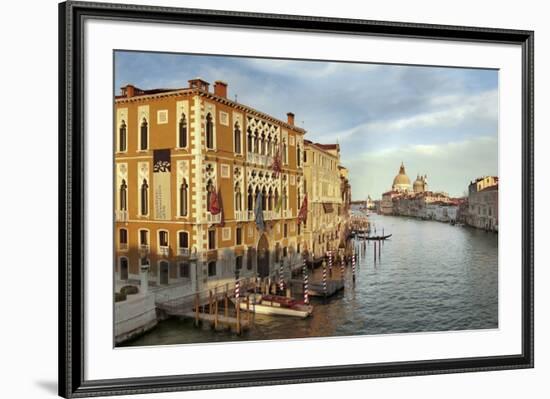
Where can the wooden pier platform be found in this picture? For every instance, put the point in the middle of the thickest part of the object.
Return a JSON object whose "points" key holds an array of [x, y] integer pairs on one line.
{"points": [[218, 321]]}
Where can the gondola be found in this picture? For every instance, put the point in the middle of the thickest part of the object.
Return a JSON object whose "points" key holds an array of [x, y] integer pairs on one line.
{"points": [[375, 238]]}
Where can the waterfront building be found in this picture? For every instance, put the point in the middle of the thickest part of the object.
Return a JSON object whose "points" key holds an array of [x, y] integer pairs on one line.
{"points": [[386, 204], [329, 195], [191, 166], [483, 203], [418, 202]]}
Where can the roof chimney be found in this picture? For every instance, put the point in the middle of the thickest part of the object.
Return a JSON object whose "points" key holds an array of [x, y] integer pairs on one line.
{"points": [[220, 88], [198, 83], [290, 117], [128, 91]]}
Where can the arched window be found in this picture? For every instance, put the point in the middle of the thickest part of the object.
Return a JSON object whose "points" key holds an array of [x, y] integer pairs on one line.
{"points": [[144, 135], [284, 152], [262, 144], [237, 138], [256, 195], [182, 132], [183, 239], [298, 156], [264, 199], [284, 200], [183, 198], [250, 199], [123, 196], [276, 197], [123, 268], [122, 137], [209, 131], [238, 198], [269, 146], [209, 189], [249, 139], [144, 197], [256, 142], [270, 200]]}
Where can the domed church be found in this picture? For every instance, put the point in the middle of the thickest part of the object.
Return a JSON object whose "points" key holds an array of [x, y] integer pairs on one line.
{"points": [[420, 185], [401, 182]]}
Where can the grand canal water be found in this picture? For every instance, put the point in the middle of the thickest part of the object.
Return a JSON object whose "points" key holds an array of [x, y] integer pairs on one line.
{"points": [[431, 276]]}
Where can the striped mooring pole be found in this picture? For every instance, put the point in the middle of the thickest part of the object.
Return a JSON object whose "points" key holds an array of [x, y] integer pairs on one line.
{"points": [[306, 283], [237, 290], [342, 267], [353, 266], [325, 277], [330, 263], [281, 278]]}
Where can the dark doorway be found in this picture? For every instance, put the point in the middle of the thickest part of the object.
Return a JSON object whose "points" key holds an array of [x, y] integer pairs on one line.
{"points": [[164, 272], [124, 268], [263, 257]]}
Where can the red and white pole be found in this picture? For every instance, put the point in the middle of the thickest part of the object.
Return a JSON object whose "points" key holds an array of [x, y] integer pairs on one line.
{"points": [[353, 266], [306, 283]]}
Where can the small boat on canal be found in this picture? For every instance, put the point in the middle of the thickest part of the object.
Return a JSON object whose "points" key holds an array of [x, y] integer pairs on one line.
{"points": [[276, 305], [375, 238]]}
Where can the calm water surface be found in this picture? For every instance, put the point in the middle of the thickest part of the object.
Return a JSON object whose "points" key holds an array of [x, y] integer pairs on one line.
{"points": [[431, 277]]}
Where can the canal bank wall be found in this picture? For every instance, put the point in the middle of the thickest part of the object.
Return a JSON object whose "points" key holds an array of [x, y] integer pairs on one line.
{"points": [[134, 316]]}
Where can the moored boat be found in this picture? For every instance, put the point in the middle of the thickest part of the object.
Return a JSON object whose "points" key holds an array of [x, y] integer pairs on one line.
{"points": [[276, 305], [376, 237]]}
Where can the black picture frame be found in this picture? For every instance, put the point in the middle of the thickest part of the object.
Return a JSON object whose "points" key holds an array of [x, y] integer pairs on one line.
{"points": [[71, 199]]}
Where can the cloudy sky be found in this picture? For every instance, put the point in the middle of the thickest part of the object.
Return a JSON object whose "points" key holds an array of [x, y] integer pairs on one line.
{"points": [[442, 122]]}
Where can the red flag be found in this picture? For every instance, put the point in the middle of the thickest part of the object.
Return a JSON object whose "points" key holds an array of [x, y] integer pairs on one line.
{"points": [[276, 163], [302, 215], [220, 204], [214, 203]]}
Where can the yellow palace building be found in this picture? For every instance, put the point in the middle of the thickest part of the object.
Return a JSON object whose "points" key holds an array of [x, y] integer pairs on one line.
{"points": [[180, 154], [329, 195]]}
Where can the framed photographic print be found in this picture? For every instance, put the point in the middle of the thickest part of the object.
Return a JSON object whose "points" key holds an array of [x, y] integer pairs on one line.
{"points": [[253, 199]]}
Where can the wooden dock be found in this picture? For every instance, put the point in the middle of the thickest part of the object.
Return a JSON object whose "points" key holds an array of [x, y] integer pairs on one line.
{"points": [[207, 309]]}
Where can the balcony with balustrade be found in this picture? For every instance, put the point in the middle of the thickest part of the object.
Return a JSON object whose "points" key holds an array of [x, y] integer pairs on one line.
{"points": [[183, 252], [258, 159], [164, 251], [241, 216], [213, 218], [121, 216]]}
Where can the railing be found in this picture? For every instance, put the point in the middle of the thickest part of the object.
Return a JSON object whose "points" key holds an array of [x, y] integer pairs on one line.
{"points": [[287, 213], [183, 251], [241, 215], [144, 247], [121, 216], [164, 251], [259, 159], [250, 215], [123, 246], [213, 218]]}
